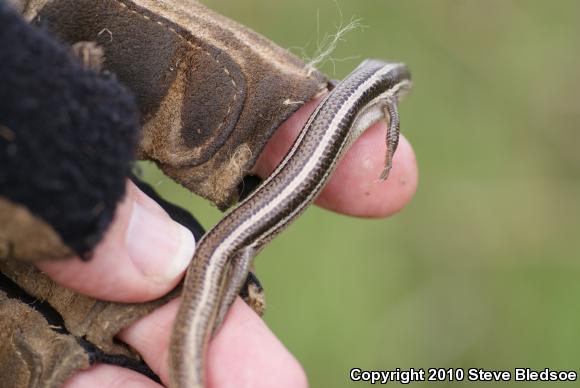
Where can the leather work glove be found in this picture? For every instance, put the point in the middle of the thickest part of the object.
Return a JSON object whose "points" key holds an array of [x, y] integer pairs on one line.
{"points": [[85, 88]]}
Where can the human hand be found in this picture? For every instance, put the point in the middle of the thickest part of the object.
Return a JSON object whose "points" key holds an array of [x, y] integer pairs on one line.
{"points": [[144, 255]]}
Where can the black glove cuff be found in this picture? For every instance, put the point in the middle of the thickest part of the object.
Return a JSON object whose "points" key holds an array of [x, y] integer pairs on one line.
{"points": [[67, 135]]}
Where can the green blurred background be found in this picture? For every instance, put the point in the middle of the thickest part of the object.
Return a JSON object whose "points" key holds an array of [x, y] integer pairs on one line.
{"points": [[482, 269]]}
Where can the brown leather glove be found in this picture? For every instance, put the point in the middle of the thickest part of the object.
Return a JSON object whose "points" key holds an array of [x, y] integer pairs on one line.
{"points": [[209, 94]]}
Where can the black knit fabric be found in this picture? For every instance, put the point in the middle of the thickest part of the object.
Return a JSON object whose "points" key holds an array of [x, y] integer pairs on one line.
{"points": [[67, 135]]}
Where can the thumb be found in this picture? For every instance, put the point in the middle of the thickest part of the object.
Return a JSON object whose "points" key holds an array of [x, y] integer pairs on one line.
{"points": [[142, 256]]}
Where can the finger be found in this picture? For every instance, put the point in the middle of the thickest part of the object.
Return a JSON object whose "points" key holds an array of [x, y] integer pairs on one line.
{"points": [[142, 256], [244, 352], [100, 376], [354, 188]]}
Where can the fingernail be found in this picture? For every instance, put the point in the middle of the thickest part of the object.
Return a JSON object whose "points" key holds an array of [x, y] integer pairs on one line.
{"points": [[159, 247]]}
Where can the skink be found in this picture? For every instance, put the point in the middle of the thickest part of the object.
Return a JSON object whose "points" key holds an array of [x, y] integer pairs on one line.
{"points": [[223, 256]]}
